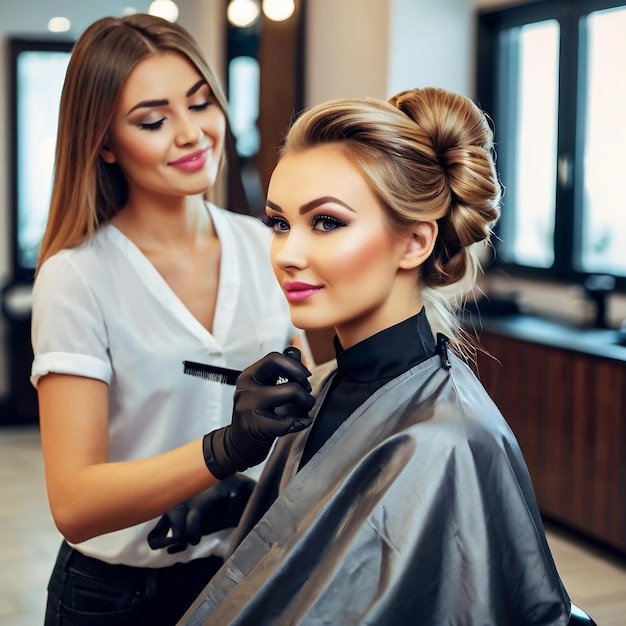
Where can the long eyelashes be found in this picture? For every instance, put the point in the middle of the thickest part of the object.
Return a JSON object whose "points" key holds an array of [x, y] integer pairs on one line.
{"points": [[201, 107], [326, 223], [274, 223], [321, 223], [152, 126]]}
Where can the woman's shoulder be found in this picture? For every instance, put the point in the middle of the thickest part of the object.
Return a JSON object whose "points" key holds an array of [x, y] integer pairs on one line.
{"points": [[241, 222], [83, 259]]}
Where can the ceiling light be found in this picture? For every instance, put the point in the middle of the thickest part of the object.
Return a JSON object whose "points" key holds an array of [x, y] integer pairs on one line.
{"points": [[59, 25], [278, 10], [166, 9], [242, 13]]}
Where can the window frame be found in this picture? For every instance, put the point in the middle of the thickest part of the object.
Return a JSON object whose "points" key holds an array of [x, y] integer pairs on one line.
{"points": [[570, 141]]}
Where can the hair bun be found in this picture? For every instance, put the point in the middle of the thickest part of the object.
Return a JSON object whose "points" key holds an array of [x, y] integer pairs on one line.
{"points": [[462, 142]]}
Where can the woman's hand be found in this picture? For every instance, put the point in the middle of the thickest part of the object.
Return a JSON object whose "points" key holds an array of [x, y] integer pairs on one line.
{"points": [[272, 399], [215, 509]]}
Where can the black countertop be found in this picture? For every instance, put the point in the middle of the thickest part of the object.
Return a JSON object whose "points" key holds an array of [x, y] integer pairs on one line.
{"points": [[598, 342]]}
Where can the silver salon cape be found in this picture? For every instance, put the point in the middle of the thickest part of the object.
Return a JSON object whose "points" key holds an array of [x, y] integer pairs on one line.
{"points": [[418, 510]]}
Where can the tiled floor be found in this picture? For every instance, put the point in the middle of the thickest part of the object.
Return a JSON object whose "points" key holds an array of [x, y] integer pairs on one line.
{"points": [[28, 538], [596, 581]]}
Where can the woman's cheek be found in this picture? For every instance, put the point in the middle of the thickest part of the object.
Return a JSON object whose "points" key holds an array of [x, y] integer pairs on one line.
{"points": [[353, 259]]}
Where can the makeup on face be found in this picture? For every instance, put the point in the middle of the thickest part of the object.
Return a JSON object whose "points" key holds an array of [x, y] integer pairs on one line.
{"points": [[151, 114], [168, 133], [332, 251], [192, 162]]}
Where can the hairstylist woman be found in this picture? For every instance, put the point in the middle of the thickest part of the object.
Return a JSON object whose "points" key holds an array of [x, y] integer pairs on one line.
{"points": [[137, 274]]}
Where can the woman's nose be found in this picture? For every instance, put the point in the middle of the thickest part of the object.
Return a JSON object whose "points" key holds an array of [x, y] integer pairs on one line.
{"points": [[288, 251], [187, 131]]}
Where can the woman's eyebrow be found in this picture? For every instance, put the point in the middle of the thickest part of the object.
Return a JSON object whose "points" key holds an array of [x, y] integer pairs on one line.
{"points": [[309, 206], [312, 204], [195, 88], [146, 104], [272, 205]]}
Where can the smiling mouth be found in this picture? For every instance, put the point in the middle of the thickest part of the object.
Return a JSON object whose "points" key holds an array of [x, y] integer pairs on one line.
{"points": [[193, 161]]}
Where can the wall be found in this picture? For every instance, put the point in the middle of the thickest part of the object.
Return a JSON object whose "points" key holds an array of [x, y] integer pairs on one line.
{"points": [[431, 46], [379, 47], [346, 49]]}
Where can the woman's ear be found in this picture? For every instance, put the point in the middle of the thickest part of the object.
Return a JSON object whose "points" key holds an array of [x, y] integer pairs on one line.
{"points": [[420, 242], [107, 155]]}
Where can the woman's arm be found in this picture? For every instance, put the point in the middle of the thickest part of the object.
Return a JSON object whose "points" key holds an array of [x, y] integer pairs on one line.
{"points": [[90, 496]]}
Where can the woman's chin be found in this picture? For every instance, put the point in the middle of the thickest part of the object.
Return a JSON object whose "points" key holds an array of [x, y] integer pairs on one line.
{"points": [[308, 322]]}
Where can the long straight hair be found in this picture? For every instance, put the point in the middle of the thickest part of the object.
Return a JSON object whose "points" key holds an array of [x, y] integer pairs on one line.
{"points": [[86, 191]]}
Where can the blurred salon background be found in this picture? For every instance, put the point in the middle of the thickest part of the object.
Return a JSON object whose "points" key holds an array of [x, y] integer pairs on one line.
{"points": [[552, 305]]}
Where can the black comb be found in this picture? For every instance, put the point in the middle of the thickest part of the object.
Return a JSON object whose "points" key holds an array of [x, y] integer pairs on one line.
{"points": [[223, 374], [211, 372]]}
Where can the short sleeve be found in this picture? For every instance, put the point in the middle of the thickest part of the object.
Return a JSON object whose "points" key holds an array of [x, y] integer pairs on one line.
{"points": [[68, 330]]}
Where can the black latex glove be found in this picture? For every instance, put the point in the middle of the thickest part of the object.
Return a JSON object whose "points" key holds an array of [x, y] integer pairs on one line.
{"points": [[175, 521], [265, 407], [215, 509], [219, 507]]}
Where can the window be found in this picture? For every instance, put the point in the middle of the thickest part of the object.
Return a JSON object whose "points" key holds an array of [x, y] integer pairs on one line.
{"points": [[550, 75], [37, 71]]}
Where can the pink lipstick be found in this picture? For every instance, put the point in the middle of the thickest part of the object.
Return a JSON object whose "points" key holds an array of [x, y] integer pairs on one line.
{"points": [[298, 292], [191, 162]]}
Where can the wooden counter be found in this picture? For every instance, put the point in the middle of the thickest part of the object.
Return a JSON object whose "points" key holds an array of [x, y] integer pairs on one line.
{"points": [[567, 407]]}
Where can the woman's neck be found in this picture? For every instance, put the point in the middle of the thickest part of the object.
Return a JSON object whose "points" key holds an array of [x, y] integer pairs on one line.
{"points": [[396, 310], [159, 226]]}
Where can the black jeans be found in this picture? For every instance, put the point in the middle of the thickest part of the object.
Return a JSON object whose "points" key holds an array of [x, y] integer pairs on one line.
{"points": [[84, 591]]}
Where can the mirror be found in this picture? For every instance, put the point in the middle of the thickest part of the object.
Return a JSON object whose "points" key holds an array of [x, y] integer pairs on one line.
{"points": [[265, 92]]}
